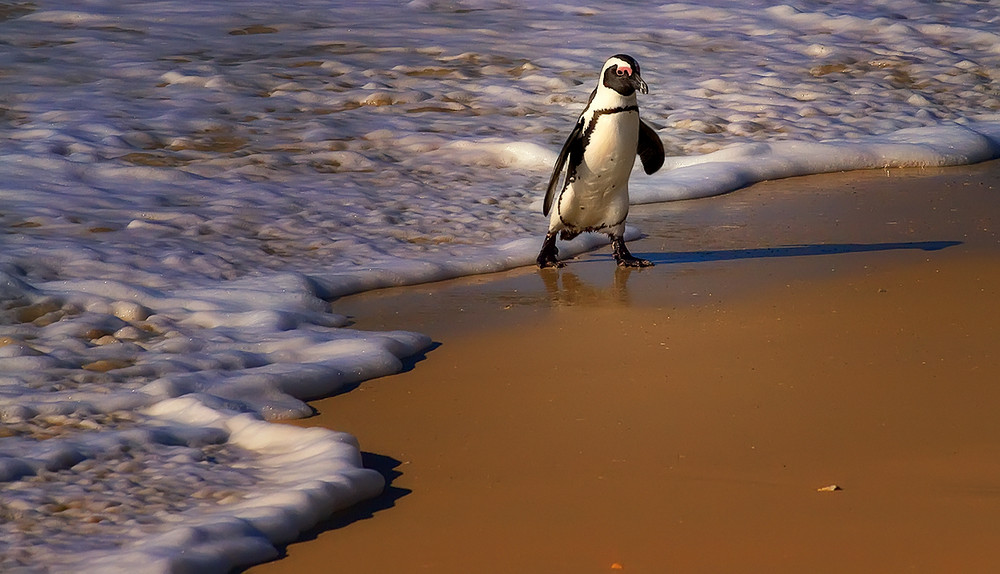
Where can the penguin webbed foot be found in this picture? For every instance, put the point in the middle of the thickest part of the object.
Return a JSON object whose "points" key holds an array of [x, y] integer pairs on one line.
{"points": [[545, 261], [623, 257], [549, 255], [633, 262]]}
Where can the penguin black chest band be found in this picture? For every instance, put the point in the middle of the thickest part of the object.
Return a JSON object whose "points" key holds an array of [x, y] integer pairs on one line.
{"points": [[604, 112]]}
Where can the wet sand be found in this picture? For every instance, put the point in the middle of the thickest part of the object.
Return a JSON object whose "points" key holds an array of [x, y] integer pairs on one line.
{"points": [[826, 330]]}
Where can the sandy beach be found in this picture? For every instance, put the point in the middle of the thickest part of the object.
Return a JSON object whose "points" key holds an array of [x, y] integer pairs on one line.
{"points": [[834, 330]]}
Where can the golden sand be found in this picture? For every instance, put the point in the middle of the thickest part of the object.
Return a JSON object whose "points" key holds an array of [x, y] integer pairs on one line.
{"points": [[808, 381]]}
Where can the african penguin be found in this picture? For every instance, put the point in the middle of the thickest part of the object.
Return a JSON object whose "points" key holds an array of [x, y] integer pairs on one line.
{"points": [[601, 151]]}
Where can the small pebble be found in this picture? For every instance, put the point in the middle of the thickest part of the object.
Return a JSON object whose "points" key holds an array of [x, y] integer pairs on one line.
{"points": [[130, 333], [129, 311]]}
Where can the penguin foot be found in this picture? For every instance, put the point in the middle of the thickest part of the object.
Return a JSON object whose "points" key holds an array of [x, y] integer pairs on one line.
{"points": [[633, 262], [623, 257], [549, 255], [546, 262]]}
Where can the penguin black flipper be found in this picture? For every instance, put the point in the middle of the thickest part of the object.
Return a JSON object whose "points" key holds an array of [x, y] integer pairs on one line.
{"points": [[573, 146], [650, 149]]}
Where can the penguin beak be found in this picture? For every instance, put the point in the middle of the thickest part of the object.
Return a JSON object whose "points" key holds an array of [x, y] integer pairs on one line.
{"points": [[639, 84]]}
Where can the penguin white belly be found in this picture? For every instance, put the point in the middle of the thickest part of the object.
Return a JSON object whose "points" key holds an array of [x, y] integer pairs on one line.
{"points": [[597, 198], [592, 205]]}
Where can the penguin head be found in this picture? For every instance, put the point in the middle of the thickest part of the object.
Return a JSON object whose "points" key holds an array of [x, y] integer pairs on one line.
{"points": [[621, 74]]}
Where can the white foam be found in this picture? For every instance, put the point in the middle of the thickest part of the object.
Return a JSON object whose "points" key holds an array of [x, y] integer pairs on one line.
{"points": [[307, 475], [741, 165]]}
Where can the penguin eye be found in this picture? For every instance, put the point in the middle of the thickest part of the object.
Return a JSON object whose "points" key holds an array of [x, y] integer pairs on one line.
{"points": [[624, 71]]}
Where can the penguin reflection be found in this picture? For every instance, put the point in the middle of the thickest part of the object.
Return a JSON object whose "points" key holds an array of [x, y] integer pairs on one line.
{"points": [[565, 288]]}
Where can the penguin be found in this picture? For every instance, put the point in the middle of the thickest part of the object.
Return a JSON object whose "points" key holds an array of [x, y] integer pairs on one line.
{"points": [[597, 158]]}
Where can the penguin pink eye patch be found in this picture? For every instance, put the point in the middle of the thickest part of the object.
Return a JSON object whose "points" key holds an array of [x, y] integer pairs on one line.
{"points": [[624, 71]]}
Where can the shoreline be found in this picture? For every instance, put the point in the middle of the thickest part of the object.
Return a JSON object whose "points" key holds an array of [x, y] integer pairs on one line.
{"points": [[831, 329]]}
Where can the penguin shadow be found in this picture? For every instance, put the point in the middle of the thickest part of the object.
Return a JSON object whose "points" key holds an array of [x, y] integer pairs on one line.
{"points": [[564, 287], [803, 250]]}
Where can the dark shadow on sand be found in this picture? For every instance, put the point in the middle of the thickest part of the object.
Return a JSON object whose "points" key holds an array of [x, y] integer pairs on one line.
{"points": [[408, 365], [564, 287], [386, 466], [410, 362], [790, 251]]}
